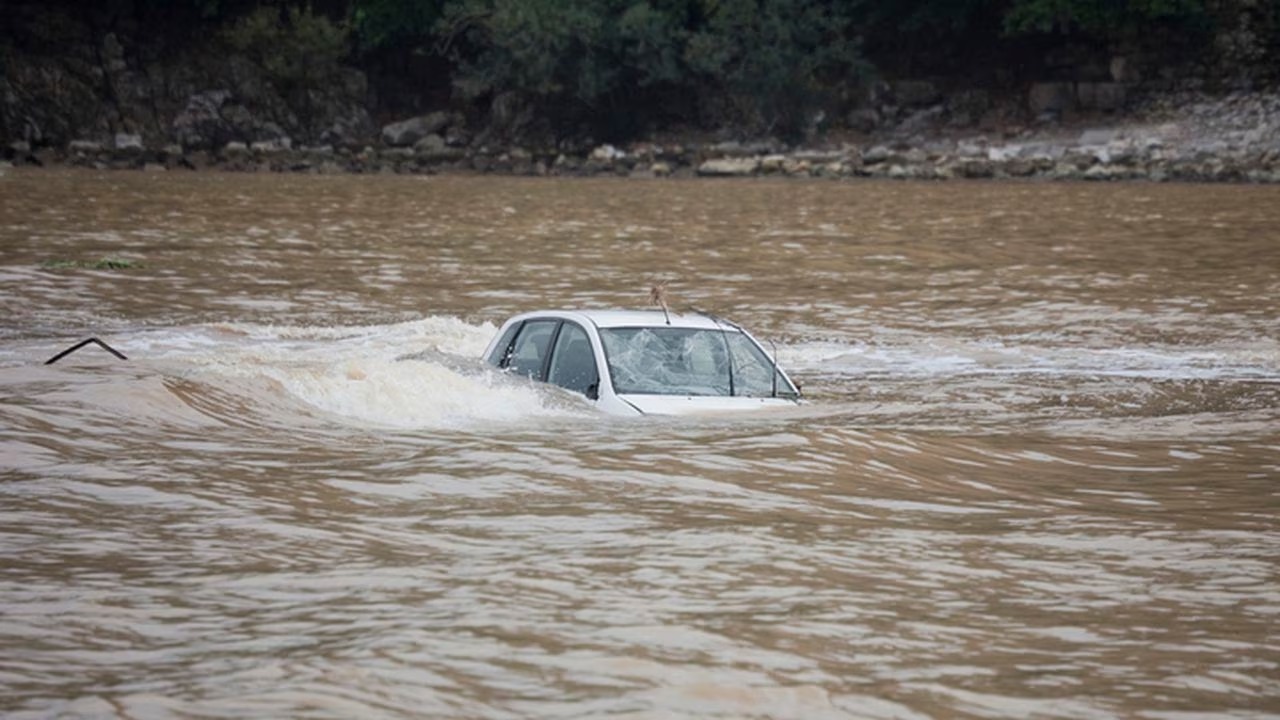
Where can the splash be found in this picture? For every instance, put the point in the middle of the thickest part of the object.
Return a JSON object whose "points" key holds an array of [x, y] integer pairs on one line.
{"points": [[423, 374]]}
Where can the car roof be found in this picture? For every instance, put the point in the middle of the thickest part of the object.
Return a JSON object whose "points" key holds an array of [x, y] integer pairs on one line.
{"points": [[635, 318]]}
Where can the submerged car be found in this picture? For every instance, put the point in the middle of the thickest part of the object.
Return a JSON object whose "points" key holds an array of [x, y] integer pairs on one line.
{"points": [[642, 362]]}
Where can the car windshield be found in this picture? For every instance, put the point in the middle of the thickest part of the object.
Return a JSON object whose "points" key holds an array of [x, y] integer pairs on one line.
{"points": [[689, 361]]}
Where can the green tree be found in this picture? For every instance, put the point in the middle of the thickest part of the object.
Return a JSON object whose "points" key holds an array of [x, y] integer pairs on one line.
{"points": [[770, 63], [384, 24], [1099, 18]]}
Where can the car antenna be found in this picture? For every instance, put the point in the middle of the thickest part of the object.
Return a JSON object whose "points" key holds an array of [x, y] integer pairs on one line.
{"points": [[658, 296], [774, 359]]}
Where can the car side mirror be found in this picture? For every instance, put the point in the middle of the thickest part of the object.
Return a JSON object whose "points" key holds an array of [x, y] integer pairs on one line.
{"points": [[593, 390]]}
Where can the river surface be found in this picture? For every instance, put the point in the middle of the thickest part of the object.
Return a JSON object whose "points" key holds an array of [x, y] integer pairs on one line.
{"points": [[1038, 473]]}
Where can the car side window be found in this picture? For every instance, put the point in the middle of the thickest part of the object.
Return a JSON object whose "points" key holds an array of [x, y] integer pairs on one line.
{"points": [[573, 363], [502, 347], [530, 351]]}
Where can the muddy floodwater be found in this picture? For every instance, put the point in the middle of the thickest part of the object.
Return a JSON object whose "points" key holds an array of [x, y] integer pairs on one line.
{"points": [[1037, 475]]}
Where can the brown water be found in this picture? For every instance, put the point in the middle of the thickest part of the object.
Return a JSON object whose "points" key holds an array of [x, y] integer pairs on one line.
{"points": [[1038, 475]]}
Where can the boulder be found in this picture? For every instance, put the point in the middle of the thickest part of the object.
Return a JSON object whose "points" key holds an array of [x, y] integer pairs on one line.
{"points": [[967, 107], [1098, 136], [735, 149], [407, 132], [796, 167], [201, 124], [84, 147], [729, 167], [876, 154], [272, 146], [430, 145], [1050, 97], [128, 143], [1105, 96], [915, 93], [822, 156], [975, 168], [863, 120], [1123, 70], [606, 154], [1101, 173], [772, 164]]}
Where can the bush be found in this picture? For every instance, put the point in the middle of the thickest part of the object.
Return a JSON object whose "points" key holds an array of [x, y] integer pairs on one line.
{"points": [[295, 49]]}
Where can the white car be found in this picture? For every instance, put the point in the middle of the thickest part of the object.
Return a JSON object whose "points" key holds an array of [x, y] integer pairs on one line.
{"points": [[642, 362]]}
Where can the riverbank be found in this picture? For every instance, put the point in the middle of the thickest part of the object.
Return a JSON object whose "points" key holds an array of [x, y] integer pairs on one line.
{"points": [[1180, 136]]}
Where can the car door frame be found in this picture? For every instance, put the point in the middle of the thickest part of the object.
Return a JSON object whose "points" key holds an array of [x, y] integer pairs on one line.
{"points": [[544, 371]]}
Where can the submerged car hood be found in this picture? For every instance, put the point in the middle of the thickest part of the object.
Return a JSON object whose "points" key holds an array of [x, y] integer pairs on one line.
{"points": [[697, 404]]}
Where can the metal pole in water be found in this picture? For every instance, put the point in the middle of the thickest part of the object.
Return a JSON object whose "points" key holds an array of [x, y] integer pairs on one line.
{"points": [[81, 344]]}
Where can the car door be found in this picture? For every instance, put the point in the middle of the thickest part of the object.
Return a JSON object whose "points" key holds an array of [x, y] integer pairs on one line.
{"points": [[573, 362], [528, 354]]}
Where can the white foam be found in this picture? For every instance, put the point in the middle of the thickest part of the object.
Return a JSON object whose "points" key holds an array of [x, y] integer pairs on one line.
{"points": [[419, 374], [413, 393], [903, 354]]}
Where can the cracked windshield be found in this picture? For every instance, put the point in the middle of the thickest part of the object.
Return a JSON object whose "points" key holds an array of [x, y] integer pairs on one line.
{"points": [[776, 359]]}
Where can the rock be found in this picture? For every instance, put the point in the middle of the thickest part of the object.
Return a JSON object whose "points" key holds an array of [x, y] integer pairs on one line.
{"points": [[1082, 158], [606, 154], [154, 167], [1124, 71], [1108, 97], [919, 121], [820, 156], [1020, 167], [660, 169], [1063, 170], [1100, 172], [773, 164], [272, 147], [835, 169], [235, 148], [20, 148], [351, 131], [729, 167], [84, 147], [1050, 97], [796, 167], [1099, 136], [876, 154], [967, 107], [915, 93], [430, 145], [407, 132], [1122, 152], [863, 120], [128, 143], [735, 149], [201, 124], [975, 168]]}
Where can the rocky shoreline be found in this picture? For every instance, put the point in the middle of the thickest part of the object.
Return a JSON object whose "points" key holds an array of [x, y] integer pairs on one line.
{"points": [[1185, 136]]}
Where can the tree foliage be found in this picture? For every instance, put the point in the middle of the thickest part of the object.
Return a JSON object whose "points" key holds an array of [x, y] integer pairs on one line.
{"points": [[762, 64], [617, 67], [1100, 18]]}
